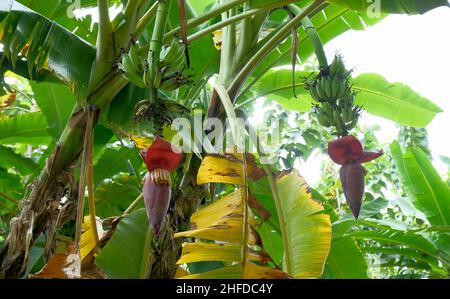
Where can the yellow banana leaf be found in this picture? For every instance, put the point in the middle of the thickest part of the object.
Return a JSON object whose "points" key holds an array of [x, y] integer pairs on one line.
{"points": [[250, 271], [309, 231], [227, 169], [213, 252], [87, 242], [223, 222]]}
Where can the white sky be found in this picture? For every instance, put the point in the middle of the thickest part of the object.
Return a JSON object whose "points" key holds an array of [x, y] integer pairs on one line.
{"points": [[414, 50]]}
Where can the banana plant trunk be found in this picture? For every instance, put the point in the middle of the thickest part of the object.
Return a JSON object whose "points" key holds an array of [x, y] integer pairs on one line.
{"points": [[42, 210]]}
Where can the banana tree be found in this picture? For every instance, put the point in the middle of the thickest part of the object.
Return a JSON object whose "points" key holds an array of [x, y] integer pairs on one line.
{"points": [[126, 79]]}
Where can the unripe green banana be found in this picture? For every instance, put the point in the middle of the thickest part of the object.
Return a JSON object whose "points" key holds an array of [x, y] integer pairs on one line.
{"points": [[135, 58], [328, 109], [341, 88], [337, 118], [347, 114], [328, 87], [353, 124], [314, 94], [127, 65], [336, 85], [169, 85], [323, 120], [323, 87], [131, 72], [173, 55], [333, 68], [319, 91]]}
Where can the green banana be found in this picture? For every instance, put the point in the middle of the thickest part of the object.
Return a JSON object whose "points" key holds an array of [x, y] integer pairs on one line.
{"points": [[341, 88], [328, 109], [347, 114], [323, 87], [337, 118], [169, 85], [322, 96], [323, 120], [174, 55], [314, 94], [135, 58], [131, 72], [329, 82]]}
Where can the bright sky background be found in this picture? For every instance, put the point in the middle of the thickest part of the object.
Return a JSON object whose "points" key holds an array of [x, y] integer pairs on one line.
{"points": [[414, 50]]}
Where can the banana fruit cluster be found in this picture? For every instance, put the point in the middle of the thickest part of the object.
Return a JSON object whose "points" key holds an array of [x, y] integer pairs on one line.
{"points": [[332, 90], [170, 74]]}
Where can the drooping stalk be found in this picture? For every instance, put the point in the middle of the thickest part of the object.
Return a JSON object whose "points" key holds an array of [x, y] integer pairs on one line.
{"points": [[284, 54], [313, 36], [206, 17]]}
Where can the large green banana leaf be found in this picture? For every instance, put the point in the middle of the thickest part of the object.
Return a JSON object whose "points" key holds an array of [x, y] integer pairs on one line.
{"points": [[46, 46], [62, 12], [428, 192], [127, 253], [393, 101], [333, 21], [345, 260]]}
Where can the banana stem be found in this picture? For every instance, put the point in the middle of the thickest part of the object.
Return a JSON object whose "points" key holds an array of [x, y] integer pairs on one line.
{"points": [[86, 164], [313, 36], [162, 15], [145, 20], [227, 59], [269, 46], [276, 196], [104, 56], [133, 205], [245, 230], [90, 136], [231, 20]]}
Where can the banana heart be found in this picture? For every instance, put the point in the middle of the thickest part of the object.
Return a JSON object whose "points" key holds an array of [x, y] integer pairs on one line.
{"points": [[348, 152], [161, 158]]}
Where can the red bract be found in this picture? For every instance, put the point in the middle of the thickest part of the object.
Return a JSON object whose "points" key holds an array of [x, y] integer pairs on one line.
{"points": [[161, 158], [348, 149], [348, 152], [161, 154]]}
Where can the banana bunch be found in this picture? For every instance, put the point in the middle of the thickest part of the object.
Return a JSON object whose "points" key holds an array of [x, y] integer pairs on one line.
{"points": [[133, 67], [174, 80], [167, 74], [332, 90], [172, 57]]}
